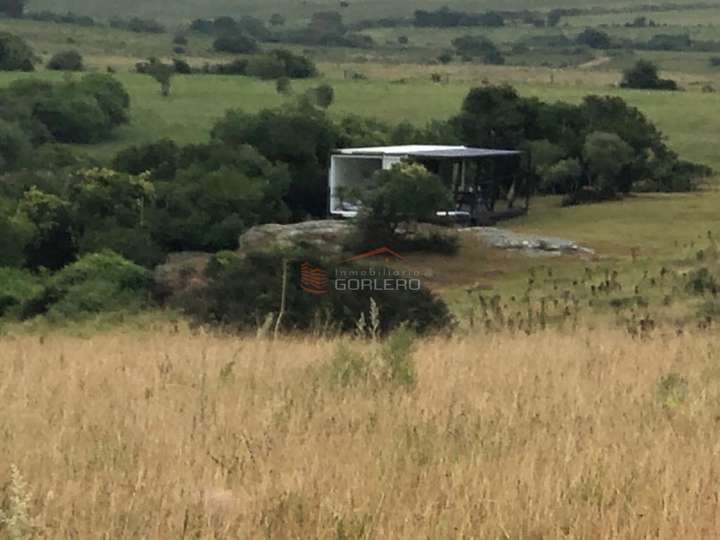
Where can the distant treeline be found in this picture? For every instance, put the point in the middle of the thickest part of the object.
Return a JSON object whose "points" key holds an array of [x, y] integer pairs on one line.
{"points": [[555, 15], [134, 24]]}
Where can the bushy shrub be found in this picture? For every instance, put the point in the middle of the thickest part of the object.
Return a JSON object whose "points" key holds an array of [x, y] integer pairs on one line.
{"points": [[281, 63], [79, 112], [478, 47], [136, 24], [238, 43], [96, 283], [161, 159], [644, 76], [16, 288], [594, 38], [15, 54], [243, 291], [14, 145], [51, 244], [407, 193], [66, 61], [73, 117], [274, 133]]}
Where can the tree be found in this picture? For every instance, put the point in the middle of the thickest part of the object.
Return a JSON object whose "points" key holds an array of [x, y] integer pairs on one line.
{"points": [[15, 54], [606, 154], [13, 8], [283, 86], [109, 211], [237, 43], [14, 145], [163, 74], [594, 38], [479, 46], [644, 75], [277, 20], [274, 133], [407, 193], [66, 61], [52, 244], [323, 96]]}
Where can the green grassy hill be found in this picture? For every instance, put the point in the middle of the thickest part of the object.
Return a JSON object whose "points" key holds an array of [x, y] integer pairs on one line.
{"points": [[178, 10]]}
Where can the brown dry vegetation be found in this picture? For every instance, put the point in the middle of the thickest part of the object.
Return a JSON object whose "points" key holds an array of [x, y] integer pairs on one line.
{"points": [[586, 434]]}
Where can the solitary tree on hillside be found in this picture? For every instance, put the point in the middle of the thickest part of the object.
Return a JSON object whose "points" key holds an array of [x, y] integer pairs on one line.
{"points": [[13, 8], [644, 75], [163, 74]]}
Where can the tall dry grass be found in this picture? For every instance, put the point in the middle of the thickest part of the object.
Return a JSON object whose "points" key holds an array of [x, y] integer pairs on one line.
{"points": [[186, 435]]}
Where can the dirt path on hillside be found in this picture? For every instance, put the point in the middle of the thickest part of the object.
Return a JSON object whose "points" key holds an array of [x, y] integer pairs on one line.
{"points": [[597, 62]]}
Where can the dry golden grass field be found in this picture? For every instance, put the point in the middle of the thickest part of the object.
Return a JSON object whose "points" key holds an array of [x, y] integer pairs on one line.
{"points": [[183, 434]]}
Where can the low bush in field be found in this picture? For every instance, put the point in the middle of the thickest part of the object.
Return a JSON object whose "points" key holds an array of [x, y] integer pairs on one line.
{"points": [[66, 61], [246, 292], [94, 284]]}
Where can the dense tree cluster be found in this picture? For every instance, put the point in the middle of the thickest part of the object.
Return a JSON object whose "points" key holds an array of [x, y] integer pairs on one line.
{"points": [[644, 76], [15, 54], [448, 18], [479, 47], [564, 141], [81, 111]]}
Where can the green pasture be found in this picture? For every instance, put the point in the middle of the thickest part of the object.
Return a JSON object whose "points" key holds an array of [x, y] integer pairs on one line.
{"points": [[198, 101]]}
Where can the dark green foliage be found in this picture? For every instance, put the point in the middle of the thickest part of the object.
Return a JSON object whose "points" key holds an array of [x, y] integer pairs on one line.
{"points": [[701, 281], [51, 243], [447, 18], [397, 356], [478, 47], [406, 193], [163, 74], [13, 8], [72, 116], [594, 38], [668, 42], [227, 26], [277, 20], [66, 61], [160, 159], [237, 43], [15, 54], [14, 145], [644, 76], [323, 96], [136, 24], [96, 283], [181, 67], [82, 112], [274, 133], [217, 193], [283, 86], [17, 234], [242, 292], [16, 288], [111, 96], [108, 211]]}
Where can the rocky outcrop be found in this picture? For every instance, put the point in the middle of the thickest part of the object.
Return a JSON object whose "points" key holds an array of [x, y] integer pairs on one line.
{"points": [[528, 243], [328, 236]]}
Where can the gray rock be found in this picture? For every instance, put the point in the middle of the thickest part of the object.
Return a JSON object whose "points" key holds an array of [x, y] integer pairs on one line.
{"points": [[529, 243], [326, 235]]}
